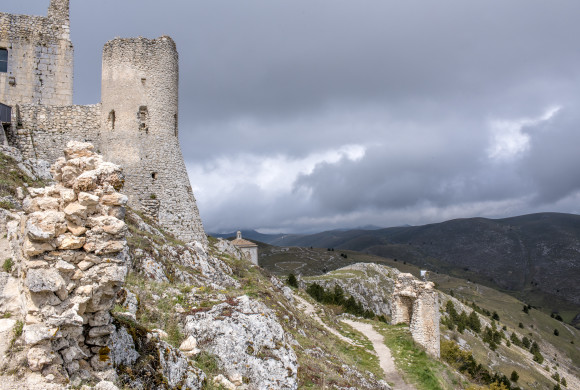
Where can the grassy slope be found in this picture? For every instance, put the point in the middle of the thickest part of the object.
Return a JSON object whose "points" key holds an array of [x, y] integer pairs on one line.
{"points": [[310, 262], [558, 350], [320, 355], [11, 177], [532, 257]]}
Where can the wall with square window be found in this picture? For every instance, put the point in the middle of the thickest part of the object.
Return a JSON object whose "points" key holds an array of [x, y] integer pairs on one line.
{"points": [[36, 61], [3, 60]]}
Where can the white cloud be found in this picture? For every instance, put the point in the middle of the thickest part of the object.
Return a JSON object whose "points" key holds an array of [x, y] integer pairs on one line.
{"points": [[508, 141], [219, 179]]}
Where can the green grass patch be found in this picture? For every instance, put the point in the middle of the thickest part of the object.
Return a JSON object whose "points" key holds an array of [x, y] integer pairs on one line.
{"points": [[11, 177], [418, 367], [6, 205], [18, 328], [8, 265]]}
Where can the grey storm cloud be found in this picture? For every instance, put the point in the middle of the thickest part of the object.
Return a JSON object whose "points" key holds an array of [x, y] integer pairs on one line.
{"points": [[304, 115], [553, 159]]}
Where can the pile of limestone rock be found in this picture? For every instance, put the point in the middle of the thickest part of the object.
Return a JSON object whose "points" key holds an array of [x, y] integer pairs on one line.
{"points": [[70, 256]]}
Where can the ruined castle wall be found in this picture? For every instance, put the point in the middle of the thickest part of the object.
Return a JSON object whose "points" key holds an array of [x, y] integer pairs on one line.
{"points": [[139, 131], [417, 303], [424, 324], [70, 256], [43, 131], [40, 57]]}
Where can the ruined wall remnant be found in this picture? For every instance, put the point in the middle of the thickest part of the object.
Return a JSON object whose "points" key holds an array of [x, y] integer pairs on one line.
{"points": [[42, 132], [70, 252], [417, 303]]}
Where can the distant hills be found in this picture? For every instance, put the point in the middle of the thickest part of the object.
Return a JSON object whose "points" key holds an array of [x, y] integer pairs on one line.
{"points": [[535, 257], [250, 235]]}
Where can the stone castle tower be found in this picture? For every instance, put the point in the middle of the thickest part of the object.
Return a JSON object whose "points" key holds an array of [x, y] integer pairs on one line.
{"points": [[135, 125], [140, 129]]}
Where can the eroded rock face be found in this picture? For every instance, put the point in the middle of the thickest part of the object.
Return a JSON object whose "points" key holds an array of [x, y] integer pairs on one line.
{"points": [[372, 285], [248, 341], [69, 250], [192, 263]]}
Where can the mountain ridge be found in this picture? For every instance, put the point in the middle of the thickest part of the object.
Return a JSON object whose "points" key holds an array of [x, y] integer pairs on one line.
{"points": [[535, 257]]}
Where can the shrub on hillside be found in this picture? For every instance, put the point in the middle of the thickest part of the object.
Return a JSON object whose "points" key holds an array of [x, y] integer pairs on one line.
{"points": [[337, 297], [292, 281]]}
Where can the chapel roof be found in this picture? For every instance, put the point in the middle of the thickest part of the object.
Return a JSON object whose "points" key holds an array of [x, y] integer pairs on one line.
{"points": [[240, 242]]}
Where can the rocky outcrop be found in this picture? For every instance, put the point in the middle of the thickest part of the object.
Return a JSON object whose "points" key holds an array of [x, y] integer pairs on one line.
{"points": [[161, 258], [248, 341], [70, 257], [33, 168], [417, 303], [372, 285], [147, 362], [18, 169]]}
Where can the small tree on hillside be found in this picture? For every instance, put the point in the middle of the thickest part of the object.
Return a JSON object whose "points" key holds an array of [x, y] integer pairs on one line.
{"points": [[338, 295], [473, 322], [526, 342], [514, 377], [292, 281], [535, 350], [498, 386]]}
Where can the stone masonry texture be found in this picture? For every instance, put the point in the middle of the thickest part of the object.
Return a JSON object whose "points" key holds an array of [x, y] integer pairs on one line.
{"points": [[135, 125], [40, 57], [70, 253], [417, 303]]}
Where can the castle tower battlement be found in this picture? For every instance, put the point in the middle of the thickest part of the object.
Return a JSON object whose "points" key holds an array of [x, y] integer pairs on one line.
{"points": [[59, 12], [139, 130]]}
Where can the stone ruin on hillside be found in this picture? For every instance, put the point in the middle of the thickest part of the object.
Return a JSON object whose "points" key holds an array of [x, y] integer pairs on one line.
{"points": [[417, 303], [70, 253]]}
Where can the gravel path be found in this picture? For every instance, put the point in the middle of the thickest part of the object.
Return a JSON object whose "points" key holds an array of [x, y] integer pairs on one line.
{"points": [[386, 361]]}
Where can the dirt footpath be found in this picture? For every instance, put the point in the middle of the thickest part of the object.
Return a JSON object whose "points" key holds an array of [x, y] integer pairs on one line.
{"points": [[386, 361]]}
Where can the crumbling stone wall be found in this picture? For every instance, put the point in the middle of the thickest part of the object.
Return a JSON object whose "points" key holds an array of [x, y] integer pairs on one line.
{"points": [[40, 57], [70, 252], [417, 303], [42, 132]]}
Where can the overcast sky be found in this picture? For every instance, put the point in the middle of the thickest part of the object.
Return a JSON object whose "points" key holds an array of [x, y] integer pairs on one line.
{"points": [[304, 115]]}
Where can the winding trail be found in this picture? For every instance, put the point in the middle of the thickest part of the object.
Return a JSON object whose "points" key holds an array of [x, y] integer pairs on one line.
{"points": [[386, 361], [309, 310]]}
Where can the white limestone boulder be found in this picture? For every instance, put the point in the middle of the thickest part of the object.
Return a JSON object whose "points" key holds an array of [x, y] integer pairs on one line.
{"points": [[44, 280], [178, 369], [248, 340]]}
